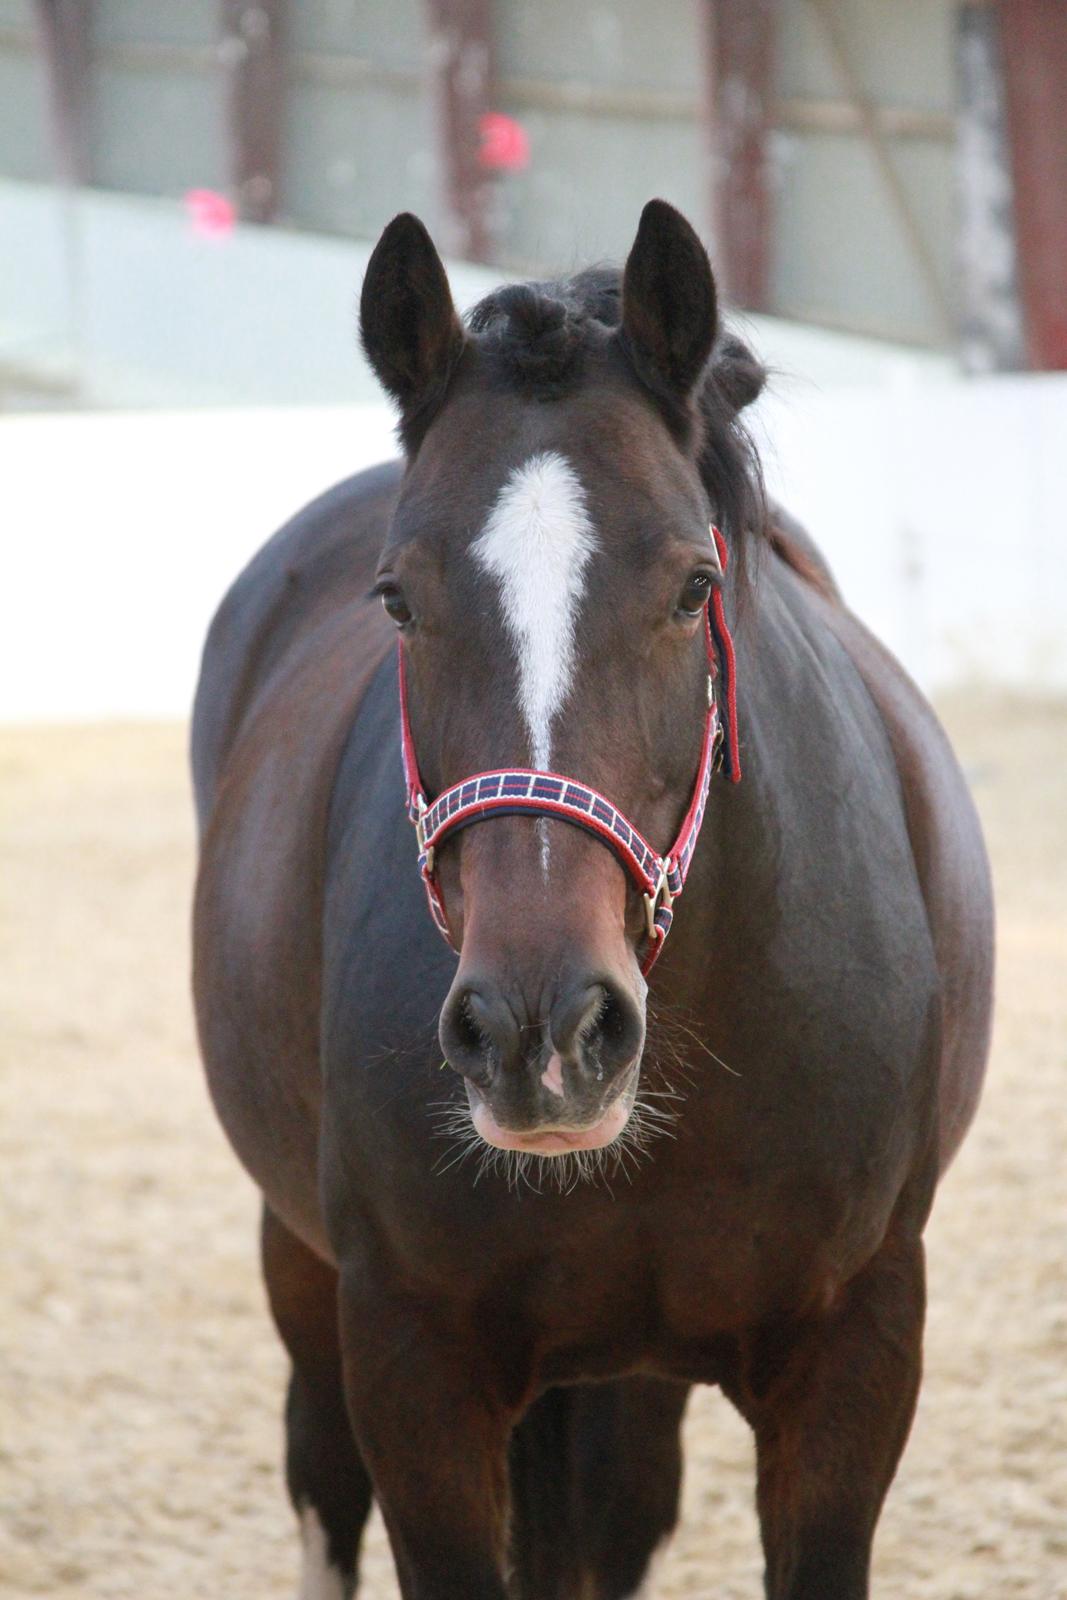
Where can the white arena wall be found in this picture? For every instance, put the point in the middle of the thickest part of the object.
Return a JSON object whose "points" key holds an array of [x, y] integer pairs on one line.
{"points": [[228, 392], [941, 509]]}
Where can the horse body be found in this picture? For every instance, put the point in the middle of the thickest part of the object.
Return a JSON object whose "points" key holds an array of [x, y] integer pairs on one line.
{"points": [[819, 1033]]}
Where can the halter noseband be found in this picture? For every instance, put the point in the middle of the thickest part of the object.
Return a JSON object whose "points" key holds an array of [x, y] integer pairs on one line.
{"points": [[515, 791]]}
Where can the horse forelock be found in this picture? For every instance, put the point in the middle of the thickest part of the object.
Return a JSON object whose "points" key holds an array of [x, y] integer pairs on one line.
{"points": [[538, 335]]}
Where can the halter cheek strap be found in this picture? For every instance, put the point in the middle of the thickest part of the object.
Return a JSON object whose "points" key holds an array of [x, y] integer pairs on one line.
{"points": [[517, 791]]}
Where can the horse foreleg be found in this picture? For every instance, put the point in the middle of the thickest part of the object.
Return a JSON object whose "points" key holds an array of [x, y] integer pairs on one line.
{"points": [[831, 1403], [627, 1470], [328, 1483], [434, 1434], [596, 1472]]}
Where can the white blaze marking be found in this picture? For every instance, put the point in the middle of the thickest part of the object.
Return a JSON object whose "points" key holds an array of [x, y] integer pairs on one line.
{"points": [[320, 1579], [536, 544]]}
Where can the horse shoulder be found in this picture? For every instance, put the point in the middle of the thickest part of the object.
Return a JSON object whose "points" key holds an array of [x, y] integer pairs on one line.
{"points": [[950, 860], [324, 554], [287, 663]]}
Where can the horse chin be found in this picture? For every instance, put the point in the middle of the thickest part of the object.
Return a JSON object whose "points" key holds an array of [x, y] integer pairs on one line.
{"points": [[557, 1138]]}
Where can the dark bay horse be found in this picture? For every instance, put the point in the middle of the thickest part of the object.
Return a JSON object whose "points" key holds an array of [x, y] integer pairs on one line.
{"points": [[504, 1231]]}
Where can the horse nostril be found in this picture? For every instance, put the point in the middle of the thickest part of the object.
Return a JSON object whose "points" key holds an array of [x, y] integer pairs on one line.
{"points": [[468, 1033], [478, 1033], [466, 1048], [598, 1023], [616, 1020]]}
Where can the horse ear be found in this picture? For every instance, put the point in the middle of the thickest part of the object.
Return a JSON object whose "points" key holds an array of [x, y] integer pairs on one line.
{"points": [[669, 305], [738, 373], [407, 321]]}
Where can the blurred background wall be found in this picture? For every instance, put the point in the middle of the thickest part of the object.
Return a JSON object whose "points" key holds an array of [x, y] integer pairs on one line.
{"points": [[188, 194]]}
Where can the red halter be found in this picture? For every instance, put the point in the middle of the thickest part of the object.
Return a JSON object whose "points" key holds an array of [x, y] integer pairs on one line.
{"points": [[512, 791]]}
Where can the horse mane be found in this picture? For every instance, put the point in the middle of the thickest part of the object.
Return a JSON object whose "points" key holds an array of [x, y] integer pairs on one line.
{"points": [[539, 334]]}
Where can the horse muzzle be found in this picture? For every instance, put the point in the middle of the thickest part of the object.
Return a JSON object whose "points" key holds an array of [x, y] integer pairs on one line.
{"points": [[548, 1084], [556, 1139]]}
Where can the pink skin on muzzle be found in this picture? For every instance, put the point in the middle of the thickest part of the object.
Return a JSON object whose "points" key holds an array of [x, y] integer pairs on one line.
{"points": [[555, 1139]]}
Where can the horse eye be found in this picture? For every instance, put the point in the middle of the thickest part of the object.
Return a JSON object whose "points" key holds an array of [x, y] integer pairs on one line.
{"points": [[395, 605], [694, 596]]}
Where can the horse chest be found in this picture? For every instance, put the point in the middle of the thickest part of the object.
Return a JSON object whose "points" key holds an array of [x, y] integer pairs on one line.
{"points": [[667, 1288]]}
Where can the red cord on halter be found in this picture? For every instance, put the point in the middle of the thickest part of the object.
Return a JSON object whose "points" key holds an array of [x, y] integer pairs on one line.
{"points": [[511, 791]]}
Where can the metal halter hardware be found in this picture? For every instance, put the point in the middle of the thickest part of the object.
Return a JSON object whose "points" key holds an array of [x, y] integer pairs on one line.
{"points": [[516, 791]]}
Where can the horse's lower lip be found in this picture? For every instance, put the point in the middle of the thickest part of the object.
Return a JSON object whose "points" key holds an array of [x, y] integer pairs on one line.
{"points": [[553, 1140], [549, 1141]]}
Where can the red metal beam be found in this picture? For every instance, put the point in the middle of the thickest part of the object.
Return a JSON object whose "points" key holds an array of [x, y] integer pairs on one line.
{"points": [[253, 57], [740, 92], [65, 28], [989, 315], [1034, 45], [461, 68]]}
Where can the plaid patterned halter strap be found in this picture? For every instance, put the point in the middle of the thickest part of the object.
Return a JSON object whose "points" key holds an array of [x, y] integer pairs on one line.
{"points": [[514, 791]]}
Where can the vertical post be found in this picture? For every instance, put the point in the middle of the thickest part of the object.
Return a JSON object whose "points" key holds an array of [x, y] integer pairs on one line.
{"points": [[460, 65], [253, 56], [1034, 47], [65, 28], [827, 13], [989, 315], [740, 40]]}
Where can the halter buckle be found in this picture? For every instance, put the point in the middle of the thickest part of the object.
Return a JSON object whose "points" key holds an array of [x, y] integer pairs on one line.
{"points": [[662, 897], [425, 850]]}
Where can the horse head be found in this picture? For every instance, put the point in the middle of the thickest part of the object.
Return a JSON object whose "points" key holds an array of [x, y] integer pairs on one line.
{"points": [[549, 566]]}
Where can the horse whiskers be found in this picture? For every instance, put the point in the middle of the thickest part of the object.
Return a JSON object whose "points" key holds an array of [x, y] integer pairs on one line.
{"points": [[412, 1083], [666, 1022], [527, 1169], [457, 1153], [454, 1123], [667, 1093]]}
